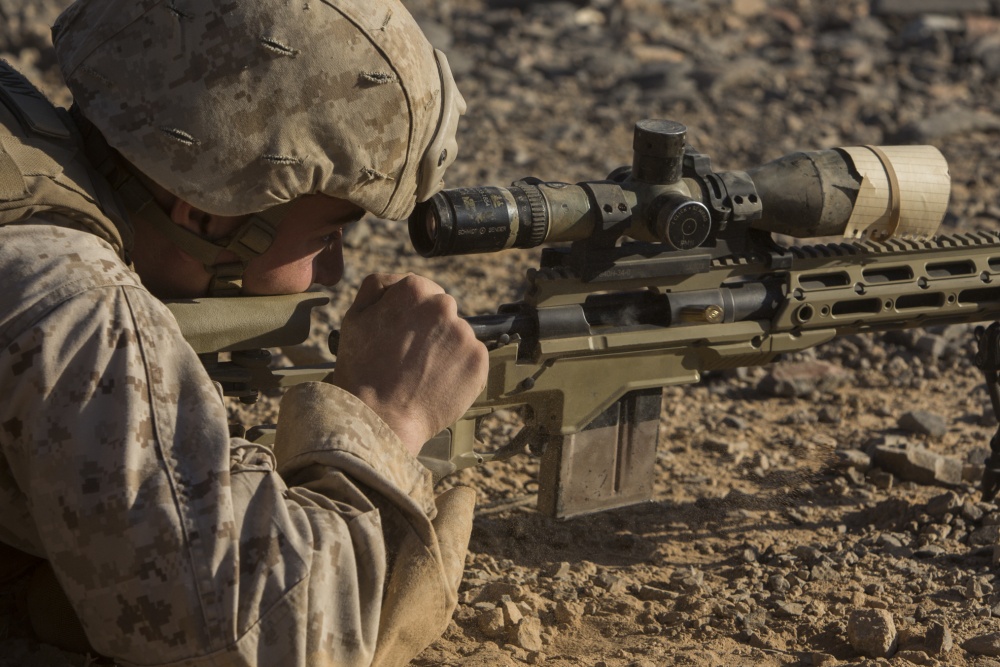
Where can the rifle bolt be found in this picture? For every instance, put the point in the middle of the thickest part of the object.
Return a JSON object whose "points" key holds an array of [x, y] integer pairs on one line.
{"points": [[711, 314], [527, 384]]}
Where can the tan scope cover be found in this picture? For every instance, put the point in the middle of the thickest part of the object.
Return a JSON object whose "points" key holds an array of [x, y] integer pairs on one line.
{"points": [[904, 192]]}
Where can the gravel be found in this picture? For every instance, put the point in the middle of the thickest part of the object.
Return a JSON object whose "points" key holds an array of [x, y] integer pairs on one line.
{"points": [[824, 510]]}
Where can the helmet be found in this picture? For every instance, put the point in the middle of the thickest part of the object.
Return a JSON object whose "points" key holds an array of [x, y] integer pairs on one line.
{"points": [[237, 107]]}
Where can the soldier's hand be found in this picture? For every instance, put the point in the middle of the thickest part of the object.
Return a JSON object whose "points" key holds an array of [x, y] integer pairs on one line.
{"points": [[407, 354]]}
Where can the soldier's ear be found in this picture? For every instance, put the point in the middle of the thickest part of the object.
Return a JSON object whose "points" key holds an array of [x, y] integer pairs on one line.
{"points": [[191, 218]]}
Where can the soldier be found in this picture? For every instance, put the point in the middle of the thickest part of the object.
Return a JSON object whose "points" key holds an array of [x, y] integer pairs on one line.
{"points": [[220, 147]]}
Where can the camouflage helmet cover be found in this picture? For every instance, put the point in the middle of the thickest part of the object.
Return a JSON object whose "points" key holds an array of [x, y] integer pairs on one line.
{"points": [[237, 107]]}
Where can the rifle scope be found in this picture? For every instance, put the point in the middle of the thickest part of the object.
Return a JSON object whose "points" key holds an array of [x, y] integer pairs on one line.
{"points": [[670, 195]]}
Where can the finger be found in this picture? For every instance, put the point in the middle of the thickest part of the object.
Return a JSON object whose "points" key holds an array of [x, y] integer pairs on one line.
{"points": [[372, 288], [411, 291]]}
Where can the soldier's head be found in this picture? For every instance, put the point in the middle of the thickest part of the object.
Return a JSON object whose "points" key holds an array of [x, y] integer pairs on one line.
{"points": [[240, 107]]}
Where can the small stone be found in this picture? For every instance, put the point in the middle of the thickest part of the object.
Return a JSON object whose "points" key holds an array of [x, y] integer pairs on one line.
{"points": [[933, 345], [807, 554], [881, 479], [973, 589], [749, 8], [918, 464], [727, 448], [882, 7], [988, 644], [823, 659], [794, 380], [872, 632], [511, 614], [734, 422], [652, 593], [889, 541], [789, 609], [938, 639], [853, 458], [559, 571], [567, 612], [923, 423], [828, 415], [527, 634], [946, 503], [916, 657], [612, 583], [930, 551], [491, 623], [985, 536], [971, 512], [496, 590], [778, 584]]}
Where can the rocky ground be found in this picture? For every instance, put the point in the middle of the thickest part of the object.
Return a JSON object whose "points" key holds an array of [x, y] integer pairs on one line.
{"points": [[781, 532]]}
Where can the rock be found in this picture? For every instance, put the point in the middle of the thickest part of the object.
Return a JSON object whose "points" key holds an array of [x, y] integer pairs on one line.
{"points": [[853, 458], [802, 378], [872, 632], [916, 657], [938, 639], [511, 614], [612, 583], [918, 464], [789, 609], [988, 645], [526, 634], [922, 422], [559, 571], [954, 121], [887, 7], [946, 503], [734, 422], [651, 593], [881, 479], [496, 590], [934, 346], [823, 659], [749, 8], [567, 612], [727, 448], [971, 511], [491, 624], [888, 540], [985, 536]]}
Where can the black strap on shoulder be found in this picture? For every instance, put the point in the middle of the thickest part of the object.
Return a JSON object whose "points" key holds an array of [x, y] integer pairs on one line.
{"points": [[32, 108]]}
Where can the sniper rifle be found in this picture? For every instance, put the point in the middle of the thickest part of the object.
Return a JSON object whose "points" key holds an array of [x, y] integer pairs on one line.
{"points": [[666, 270]]}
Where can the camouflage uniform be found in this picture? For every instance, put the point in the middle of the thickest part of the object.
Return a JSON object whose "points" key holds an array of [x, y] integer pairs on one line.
{"points": [[175, 544]]}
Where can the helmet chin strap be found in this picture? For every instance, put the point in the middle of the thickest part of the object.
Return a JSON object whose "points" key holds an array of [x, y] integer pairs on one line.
{"points": [[250, 240]]}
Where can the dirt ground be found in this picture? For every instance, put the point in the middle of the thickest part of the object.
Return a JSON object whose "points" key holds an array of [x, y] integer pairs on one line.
{"points": [[772, 538]]}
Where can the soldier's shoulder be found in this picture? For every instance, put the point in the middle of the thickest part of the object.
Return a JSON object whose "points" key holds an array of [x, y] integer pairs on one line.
{"points": [[49, 249], [45, 265]]}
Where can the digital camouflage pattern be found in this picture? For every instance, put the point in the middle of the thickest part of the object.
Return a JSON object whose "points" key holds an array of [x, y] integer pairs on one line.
{"points": [[175, 544], [239, 106]]}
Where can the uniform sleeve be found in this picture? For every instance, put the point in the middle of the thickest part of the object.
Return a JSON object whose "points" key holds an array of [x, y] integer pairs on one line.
{"points": [[176, 545]]}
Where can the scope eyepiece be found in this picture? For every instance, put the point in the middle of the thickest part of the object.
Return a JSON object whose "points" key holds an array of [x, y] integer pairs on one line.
{"points": [[477, 220]]}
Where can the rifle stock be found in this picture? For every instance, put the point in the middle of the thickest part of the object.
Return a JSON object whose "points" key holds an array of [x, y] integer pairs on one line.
{"points": [[607, 322]]}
